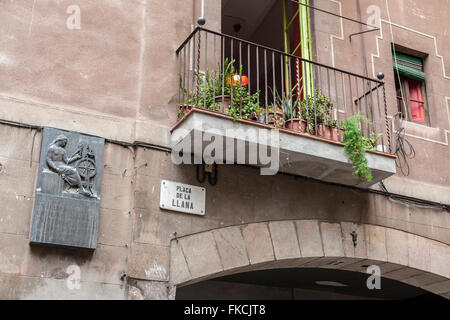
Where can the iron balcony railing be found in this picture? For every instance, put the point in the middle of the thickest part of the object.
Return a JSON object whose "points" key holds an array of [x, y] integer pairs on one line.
{"points": [[224, 74]]}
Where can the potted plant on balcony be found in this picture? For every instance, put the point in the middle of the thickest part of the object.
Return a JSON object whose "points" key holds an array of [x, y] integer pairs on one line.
{"points": [[230, 83], [184, 107], [315, 109], [204, 95], [231, 88], [212, 90], [259, 115], [243, 105], [329, 129], [201, 97], [274, 114], [371, 142], [223, 87], [224, 90], [290, 111]]}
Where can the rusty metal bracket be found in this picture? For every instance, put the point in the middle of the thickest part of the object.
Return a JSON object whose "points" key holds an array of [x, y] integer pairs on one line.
{"points": [[358, 33]]}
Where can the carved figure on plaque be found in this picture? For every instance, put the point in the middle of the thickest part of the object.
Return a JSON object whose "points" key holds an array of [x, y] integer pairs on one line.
{"points": [[68, 188], [80, 175]]}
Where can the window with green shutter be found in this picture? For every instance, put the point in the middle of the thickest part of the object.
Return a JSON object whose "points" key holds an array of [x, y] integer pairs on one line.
{"points": [[409, 66], [410, 87]]}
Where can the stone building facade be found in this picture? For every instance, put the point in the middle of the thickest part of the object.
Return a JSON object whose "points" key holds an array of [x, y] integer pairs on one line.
{"points": [[110, 69]]}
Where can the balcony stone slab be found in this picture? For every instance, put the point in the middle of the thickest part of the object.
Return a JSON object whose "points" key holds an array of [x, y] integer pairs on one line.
{"points": [[199, 131]]}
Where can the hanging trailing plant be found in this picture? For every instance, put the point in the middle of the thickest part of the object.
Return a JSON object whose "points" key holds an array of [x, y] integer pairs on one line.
{"points": [[355, 147]]}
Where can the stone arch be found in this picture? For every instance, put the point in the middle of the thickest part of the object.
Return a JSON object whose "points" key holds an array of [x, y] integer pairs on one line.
{"points": [[401, 256]]}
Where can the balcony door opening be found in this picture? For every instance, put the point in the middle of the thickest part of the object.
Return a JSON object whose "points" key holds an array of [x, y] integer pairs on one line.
{"points": [[281, 25]]}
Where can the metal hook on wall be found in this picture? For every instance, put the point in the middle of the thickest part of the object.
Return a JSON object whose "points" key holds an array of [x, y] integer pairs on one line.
{"points": [[207, 170]]}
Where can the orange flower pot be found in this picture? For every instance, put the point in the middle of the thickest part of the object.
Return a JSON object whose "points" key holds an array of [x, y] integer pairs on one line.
{"points": [[296, 125]]}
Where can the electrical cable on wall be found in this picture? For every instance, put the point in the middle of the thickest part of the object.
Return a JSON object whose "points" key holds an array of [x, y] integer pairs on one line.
{"points": [[404, 152], [395, 57], [403, 148]]}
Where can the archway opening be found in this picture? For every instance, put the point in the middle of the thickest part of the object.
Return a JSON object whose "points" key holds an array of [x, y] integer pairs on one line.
{"points": [[300, 284]]}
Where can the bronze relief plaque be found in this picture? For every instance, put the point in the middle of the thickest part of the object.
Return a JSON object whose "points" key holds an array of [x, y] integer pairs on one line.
{"points": [[67, 204]]}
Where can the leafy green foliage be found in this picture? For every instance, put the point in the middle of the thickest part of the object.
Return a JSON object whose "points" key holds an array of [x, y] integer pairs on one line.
{"points": [[289, 105], [316, 109], [371, 142], [356, 145], [217, 84], [243, 104]]}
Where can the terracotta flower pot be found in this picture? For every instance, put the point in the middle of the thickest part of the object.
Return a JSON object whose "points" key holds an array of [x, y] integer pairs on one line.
{"points": [[330, 133], [338, 134], [226, 102], [274, 115], [183, 109], [296, 125], [322, 132]]}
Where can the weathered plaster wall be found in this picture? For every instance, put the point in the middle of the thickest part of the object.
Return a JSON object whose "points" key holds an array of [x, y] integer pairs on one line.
{"points": [[113, 78], [95, 67], [30, 272], [119, 67], [135, 235]]}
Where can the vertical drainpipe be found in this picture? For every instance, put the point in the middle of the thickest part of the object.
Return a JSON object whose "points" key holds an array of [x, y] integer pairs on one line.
{"points": [[366, 70]]}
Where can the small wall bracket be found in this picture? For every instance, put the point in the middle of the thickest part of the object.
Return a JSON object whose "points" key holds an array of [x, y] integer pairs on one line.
{"points": [[362, 32], [354, 238]]}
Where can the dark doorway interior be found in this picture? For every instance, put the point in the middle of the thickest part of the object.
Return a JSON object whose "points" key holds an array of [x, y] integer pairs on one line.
{"points": [[300, 284], [258, 21]]}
